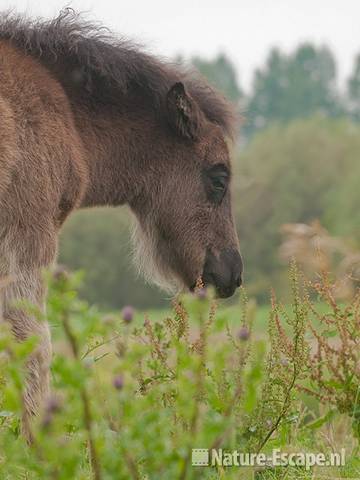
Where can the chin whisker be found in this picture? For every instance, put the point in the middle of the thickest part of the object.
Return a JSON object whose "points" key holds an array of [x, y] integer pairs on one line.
{"points": [[149, 263]]}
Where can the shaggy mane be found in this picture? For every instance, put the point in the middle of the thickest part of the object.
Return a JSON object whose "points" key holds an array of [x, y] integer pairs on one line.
{"points": [[106, 68]]}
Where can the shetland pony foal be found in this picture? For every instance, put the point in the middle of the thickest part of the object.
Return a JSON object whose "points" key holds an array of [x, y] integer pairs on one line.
{"points": [[90, 120]]}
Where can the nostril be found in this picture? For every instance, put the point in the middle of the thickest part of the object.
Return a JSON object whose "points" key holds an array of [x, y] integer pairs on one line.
{"points": [[239, 280]]}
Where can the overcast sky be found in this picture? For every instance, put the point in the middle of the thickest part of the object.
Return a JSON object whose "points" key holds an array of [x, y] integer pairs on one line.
{"points": [[244, 29]]}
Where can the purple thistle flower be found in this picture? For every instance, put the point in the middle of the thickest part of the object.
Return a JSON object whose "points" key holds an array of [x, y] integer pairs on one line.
{"points": [[201, 293], [243, 333], [118, 382], [128, 314], [53, 404]]}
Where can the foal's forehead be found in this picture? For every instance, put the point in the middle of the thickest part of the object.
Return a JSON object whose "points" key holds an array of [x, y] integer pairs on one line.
{"points": [[215, 147]]}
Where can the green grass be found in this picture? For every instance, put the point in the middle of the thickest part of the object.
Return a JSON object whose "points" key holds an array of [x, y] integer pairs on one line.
{"points": [[145, 395]]}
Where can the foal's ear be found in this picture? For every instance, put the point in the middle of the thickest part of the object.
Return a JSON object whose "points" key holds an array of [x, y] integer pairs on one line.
{"points": [[183, 112]]}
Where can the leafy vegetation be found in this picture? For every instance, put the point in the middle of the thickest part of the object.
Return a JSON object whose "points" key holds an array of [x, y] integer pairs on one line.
{"points": [[132, 401]]}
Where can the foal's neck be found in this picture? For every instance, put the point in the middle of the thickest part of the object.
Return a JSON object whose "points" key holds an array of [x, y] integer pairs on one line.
{"points": [[115, 145]]}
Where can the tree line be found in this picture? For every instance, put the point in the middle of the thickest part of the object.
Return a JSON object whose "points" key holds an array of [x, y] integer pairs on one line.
{"points": [[287, 86]]}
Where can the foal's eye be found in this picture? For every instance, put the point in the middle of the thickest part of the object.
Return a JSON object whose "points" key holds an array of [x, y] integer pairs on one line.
{"points": [[219, 183], [216, 182]]}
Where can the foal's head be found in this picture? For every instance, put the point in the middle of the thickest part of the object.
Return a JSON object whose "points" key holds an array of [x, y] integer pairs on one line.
{"points": [[186, 228]]}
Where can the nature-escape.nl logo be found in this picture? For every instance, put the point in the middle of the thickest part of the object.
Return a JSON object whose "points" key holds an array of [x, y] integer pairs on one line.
{"points": [[204, 457]]}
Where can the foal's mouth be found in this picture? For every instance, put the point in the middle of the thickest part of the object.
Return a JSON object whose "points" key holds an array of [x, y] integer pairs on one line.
{"points": [[224, 272], [221, 292]]}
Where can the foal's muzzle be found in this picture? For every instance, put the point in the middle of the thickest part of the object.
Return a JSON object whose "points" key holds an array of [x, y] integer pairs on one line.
{"points": [[224, 271]]}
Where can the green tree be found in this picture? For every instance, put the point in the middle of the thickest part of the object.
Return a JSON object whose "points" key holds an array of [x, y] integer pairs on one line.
{"points": [[293, 86], [304, 171], [222, 74], [354, 90]]}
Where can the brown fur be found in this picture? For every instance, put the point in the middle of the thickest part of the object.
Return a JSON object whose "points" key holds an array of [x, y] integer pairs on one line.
{"points": [[90, 120]]}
